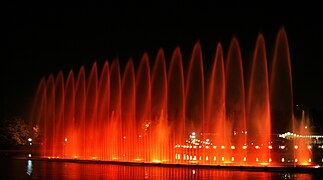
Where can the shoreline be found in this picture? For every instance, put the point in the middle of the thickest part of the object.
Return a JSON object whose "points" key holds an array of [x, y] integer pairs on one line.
{"points": [[281, 168]]}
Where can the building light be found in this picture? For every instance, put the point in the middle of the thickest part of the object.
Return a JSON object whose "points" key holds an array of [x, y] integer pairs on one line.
{"points": [[281, 147]]}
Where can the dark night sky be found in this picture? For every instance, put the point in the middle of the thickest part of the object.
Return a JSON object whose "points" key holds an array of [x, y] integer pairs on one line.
{"points": [[44, 38]]}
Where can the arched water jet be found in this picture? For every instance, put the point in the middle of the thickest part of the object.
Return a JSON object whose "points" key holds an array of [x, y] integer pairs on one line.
{"points": [[115, 125], [159, 109], [69, 108], [194, 94], [128, 109], [235, 100], [49, 129], [142, 106], [103, 113], [79, 114], [176, 102], [281, 93], [58, 142], [258, 105], [91, 114], [215, 116]]}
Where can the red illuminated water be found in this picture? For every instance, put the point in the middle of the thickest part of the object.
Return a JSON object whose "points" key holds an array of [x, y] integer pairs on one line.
{"points": [[154, 113]]}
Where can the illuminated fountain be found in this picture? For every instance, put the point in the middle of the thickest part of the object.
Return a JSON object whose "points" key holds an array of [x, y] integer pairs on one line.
{"points": [[158, 114]]}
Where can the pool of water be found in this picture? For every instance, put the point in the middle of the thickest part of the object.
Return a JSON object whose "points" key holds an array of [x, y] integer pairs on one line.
{"points": [[33, 169]]}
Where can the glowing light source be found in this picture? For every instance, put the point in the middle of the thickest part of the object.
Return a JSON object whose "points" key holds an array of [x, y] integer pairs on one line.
{"points": [[257, 147], [281, 147], [233, 147], [29, 155], [270, 147], [232, 159], [296, 147], [65, 139], [222, 147], [244, 147], [244, 159], [283, 159], [309, 147]]}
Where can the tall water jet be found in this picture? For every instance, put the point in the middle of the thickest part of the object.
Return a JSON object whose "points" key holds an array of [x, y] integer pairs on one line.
{"points": [[176, 102], [115, 126], [281, 93], [143, 105], [49, 129], [235, 100], [69, 108], [79, 114], [58, 126], [159, 109], [128, 109], [194, 94], [258, 105], [91, 113], [215, 116], [103, 113]]}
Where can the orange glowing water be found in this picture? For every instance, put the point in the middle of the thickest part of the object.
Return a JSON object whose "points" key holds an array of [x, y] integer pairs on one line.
{"points": [[146, 114]]}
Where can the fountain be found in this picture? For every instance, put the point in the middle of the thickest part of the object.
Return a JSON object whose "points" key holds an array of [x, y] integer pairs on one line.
{"points": [[156, 114]]}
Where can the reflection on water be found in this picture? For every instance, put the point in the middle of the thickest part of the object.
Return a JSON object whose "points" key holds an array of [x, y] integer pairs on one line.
{"points": [[29, 167], [17, 169]]}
